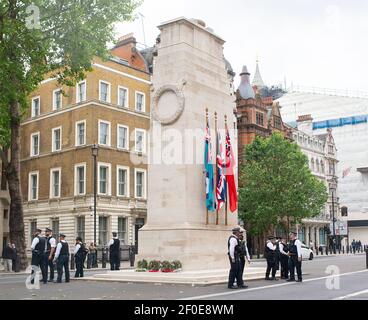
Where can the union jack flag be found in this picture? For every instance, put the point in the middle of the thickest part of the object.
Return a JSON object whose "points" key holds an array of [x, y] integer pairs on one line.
{"points": [[346, 172], [221, 190]]}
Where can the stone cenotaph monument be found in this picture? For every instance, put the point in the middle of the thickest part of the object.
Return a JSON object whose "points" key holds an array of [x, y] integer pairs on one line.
{"points": [[189, 76]]}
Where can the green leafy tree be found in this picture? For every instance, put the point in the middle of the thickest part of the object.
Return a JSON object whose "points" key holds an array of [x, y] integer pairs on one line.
{"points": [[277, 186], [41, 39]]}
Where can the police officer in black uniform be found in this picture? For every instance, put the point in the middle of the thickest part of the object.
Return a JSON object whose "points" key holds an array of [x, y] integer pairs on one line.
{"points": [[114, 247], [62, 259], [277, 254], [235, 269], [79, 255], [284, 259], [270, 253], [295, 258], [38, 247], [50, 253], [243, 254]]}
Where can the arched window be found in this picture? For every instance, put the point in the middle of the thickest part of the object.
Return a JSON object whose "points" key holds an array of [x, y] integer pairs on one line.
{"points": [[323, 167], [312, 164], [317, 163]]}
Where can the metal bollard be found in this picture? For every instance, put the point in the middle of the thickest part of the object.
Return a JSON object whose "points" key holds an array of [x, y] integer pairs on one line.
{"points": [[258, 254], [326, 251], [103, 259], [343, 250], [72, 262]]}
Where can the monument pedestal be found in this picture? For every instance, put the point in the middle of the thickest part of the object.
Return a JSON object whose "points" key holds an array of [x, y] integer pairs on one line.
{"points": [[197, 248]]}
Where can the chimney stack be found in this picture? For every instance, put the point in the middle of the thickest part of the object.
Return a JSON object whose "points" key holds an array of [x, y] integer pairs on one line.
{"points": [[305, 124]]}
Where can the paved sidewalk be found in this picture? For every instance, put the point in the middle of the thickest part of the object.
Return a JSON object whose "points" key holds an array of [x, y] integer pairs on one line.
{"points": [[123, 266]]}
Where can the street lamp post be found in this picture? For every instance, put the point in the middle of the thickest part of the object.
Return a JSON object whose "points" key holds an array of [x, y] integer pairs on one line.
{"points": [[95, 155], [333, 223]]}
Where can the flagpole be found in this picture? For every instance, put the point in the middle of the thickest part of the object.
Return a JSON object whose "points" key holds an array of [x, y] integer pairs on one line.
{"points": [[227, 189], [217, 209], [207, 124]]}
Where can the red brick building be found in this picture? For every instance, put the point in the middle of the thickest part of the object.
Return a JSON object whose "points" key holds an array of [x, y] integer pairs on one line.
{"points": [[257, 116]]}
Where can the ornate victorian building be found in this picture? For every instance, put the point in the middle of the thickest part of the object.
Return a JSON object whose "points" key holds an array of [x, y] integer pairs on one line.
{"points": [[261, 116]]}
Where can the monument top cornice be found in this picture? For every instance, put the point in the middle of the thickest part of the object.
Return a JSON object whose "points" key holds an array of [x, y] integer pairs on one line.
{"points": [[192, 22]]}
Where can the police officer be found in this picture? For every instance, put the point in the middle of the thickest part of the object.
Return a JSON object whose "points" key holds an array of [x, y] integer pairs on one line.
{"points": [[270, 253], [62, 259], [114, 246], [243, 254], [284, 259], [277, 254], [79, 255], [38, 247], [50, 253], [295, 257], [233, 252]]}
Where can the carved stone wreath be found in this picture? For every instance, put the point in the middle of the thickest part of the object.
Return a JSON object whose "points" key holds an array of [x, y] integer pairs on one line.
{"points": [[174, 108]]}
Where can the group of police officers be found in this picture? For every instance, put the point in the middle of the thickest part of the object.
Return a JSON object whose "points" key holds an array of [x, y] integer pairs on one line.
{"points": [[277, 253], [47, 254]]}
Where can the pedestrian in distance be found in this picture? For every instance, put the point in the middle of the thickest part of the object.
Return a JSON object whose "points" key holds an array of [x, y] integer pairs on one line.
{"points": [[270, 255], [50, 254], [15, 263], [38, 247], [353, 245], [233, 253], [114, 248], [8, 256], [92, 256], [295, 258], [243, 255], [80, 253], [62, 259], [277, 254]]}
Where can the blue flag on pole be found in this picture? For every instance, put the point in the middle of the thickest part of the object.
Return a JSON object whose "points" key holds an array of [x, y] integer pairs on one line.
{"points": [[210, 194]]}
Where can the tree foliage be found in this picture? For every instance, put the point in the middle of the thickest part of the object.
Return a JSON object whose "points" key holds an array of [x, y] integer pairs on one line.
{"points": [[41, 39], [277, 185]]}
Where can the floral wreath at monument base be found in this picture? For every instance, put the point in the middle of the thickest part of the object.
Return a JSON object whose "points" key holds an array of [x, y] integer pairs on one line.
{"points": [[155, 266]]}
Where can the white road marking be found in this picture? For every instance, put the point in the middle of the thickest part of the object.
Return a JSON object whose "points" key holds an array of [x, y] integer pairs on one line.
{"points": [[228, 293], [352, 295]]}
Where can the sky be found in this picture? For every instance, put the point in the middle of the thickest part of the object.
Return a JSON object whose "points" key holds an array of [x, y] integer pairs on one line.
{"points": [[316, 43]]}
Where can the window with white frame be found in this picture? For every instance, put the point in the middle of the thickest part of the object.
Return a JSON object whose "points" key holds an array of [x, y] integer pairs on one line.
{"points": [[56, 139], [123, 98], [33, 186], [140, 140], [80, 179], [55, 223], [140, 184], [81, 91], [81, 227], [140, 102], [123, 134], [55, 183], [80, 133], [122, 230], [35, 144], [105, 91], [122, 187], [104, 179], [32, 229], [103, 225], [57, 99], [104, 133], [36, 106]]}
